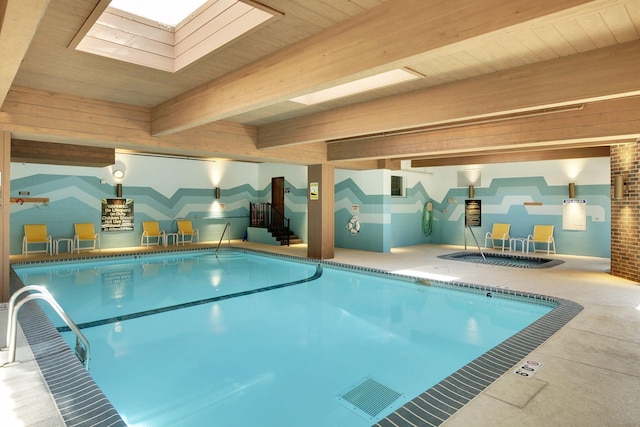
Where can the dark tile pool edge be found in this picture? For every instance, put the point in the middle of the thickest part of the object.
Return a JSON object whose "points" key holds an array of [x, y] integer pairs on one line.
{"points": [[79, 399], [435, 405], [88, 406]]}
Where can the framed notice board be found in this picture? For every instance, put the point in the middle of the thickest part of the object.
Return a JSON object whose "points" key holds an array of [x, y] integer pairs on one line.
{"points": [[574, 215], [117, 214], [472, 213]]}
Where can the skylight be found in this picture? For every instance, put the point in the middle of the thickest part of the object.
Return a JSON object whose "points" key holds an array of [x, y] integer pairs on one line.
{"points": [[168, 34], [357, 86], [170, 12]]}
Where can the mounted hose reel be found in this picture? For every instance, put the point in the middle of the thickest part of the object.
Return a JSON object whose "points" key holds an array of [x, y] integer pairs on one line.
{"points": [[427, 219]]}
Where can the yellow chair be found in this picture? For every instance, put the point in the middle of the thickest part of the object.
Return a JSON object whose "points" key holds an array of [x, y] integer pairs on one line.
{"points": [[151, 230], [36, 234], [500, 232], [185, 229], [542, 234], [86, 233]]}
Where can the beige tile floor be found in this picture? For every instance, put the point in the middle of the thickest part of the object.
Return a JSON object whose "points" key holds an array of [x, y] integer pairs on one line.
{"points": [[591, 372]]}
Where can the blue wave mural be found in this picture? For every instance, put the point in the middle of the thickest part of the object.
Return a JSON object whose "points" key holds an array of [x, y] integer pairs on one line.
{"points": [[74, 199]]}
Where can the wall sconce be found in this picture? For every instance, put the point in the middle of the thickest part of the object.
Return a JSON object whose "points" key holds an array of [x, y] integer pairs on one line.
{"points": [[472, 191], [618, 187], [217, 193], [118, 190], [572, 190], [118, 173]]}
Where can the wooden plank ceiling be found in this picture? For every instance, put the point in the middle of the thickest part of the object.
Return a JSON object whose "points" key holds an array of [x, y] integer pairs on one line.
{"points": [[521, 78]]}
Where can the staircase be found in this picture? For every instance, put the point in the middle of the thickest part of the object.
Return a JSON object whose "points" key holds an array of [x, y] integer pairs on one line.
{"points": [[281, 233], [264, 215]]}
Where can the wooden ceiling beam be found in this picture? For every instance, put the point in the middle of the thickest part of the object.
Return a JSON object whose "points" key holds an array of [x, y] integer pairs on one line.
{"points": [[36, 115], [512, 156], [16, 35], [597, 123], [61, 154], [346, 52], [600, 74]]}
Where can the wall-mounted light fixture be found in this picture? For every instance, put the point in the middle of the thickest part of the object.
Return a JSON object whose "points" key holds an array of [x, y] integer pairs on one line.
{"points": [[217, 193], [118, 190], [472, 191], [572, 190], [618, 187], [118, 173]]}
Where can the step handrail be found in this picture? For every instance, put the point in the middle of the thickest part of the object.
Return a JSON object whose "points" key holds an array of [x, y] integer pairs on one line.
{"points": [[227, 225], [83, 353]]}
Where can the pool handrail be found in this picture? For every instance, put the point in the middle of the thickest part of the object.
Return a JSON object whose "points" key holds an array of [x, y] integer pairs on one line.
{"points": [[477, 244], [84, 354], [227, 225]]}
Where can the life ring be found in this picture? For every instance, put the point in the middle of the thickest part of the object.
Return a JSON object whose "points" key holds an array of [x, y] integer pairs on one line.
{"points": [[353, 226], [20, 201]]}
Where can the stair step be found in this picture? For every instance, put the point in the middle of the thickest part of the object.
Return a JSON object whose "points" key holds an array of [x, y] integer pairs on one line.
{"points": [[293, 241]]}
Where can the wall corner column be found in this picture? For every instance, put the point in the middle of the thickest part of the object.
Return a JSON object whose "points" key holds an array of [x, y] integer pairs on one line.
{"points": [[5, 213], [321, 212], [625, 211]]}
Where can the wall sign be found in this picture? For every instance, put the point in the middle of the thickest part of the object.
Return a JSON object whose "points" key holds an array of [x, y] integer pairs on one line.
{"points": [[472, 213], [117, 214], [313, 191], [574, 214]]}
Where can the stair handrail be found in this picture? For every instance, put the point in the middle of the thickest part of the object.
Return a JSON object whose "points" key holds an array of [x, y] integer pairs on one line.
{"points": [[263, 215], [227, 225], [84, 354], [285, 222]]}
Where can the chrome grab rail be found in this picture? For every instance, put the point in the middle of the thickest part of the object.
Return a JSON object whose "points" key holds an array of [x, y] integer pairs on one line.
{"points": [[227, 225], [477, 244], [83, 353]]}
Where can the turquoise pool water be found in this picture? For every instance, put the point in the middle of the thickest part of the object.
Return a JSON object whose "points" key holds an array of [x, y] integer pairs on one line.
{"points": [[246, 340]]}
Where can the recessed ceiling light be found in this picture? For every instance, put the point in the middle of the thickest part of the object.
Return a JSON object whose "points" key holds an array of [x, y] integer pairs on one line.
{"points": [[357, 86]]}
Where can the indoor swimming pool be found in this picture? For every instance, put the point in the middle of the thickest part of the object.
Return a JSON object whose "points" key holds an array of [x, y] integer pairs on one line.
{"points": [[192, 339]]}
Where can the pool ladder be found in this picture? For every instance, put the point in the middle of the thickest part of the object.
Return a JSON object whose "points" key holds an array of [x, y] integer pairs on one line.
{"points": [[227, 225], [82, 349]]}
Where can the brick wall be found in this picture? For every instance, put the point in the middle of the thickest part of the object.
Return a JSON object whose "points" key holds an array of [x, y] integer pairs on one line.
{"points": [[625, 212]]}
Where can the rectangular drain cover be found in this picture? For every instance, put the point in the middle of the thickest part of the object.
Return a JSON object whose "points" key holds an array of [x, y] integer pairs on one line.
{"points": [[369, 398]]}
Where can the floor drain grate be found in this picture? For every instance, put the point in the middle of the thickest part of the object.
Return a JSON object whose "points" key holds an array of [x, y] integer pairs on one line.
{"points": [[369, 397]]}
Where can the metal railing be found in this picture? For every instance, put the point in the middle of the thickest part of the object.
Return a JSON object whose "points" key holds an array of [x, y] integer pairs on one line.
{"points": [[265, 215], [227, 225], [83, 349], [476, 240]]}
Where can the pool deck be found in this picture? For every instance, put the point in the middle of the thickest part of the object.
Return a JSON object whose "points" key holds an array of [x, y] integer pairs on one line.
{"points": [[591, 367]]}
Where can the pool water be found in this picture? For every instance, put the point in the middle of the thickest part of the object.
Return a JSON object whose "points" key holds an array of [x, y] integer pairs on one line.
{"points": [[245, 340]]}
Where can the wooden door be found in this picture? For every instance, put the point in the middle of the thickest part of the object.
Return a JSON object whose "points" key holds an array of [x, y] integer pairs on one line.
{"points": [[277, 199]]}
